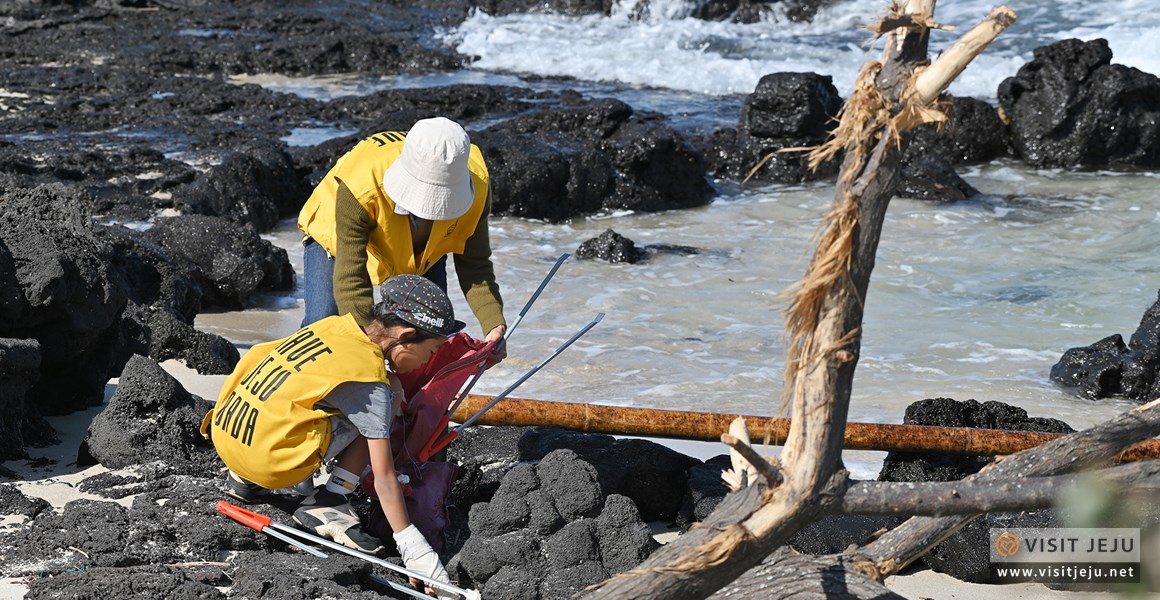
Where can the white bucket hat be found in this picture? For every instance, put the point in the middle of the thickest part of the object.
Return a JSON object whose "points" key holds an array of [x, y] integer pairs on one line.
{"points": [[430, 179]]}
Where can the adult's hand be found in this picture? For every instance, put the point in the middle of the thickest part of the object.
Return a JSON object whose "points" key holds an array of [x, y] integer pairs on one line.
{"points": [[497, 333]]}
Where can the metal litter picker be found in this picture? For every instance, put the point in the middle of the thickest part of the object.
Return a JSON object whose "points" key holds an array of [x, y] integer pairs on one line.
{"points": [[265, 524], [440, 439], [483, 367]]}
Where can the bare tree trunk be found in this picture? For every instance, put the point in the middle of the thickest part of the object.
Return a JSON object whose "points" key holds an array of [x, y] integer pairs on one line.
{"points": [[824, 326]]}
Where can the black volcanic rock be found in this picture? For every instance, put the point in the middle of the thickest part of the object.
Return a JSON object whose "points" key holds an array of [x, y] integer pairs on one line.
{"points": [[975, 134], [1071, 107], [964, 555], [609, 246], [233, 262], [151, 418], [67, 297], [785, 110], [549, 531], [1111, 368]]}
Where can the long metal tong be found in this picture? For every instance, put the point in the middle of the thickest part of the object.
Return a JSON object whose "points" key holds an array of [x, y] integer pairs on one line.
{"points": [[260, 522], [437, 443], [507, 334], [434, 444]]}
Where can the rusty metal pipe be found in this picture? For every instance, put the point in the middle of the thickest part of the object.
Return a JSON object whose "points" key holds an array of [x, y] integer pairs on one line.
{"points": [[624, 420]]}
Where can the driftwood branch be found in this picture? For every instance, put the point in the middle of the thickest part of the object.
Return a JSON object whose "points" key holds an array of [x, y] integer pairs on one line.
{"points": [[746, 464], [1085, 449], [935, 79], [759, 465], [975, 496], [788, 574], [898, 547]]}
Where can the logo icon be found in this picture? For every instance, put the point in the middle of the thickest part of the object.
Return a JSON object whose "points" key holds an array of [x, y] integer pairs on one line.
{"points": [[1007, 544]]}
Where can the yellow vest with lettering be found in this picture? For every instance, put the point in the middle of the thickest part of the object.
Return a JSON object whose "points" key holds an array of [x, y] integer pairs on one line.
{"points": [[264, 425], [389, 249]]}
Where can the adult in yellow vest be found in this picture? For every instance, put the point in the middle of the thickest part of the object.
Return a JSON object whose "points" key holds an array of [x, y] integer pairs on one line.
{"points": [[399, 203], [327, 394]]}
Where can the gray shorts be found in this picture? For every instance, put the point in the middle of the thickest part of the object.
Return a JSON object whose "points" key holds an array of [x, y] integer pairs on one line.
{"points": [[342, 433]]}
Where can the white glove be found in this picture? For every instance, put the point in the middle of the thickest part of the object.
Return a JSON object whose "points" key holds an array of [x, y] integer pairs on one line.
{"points": [[418, 556]]}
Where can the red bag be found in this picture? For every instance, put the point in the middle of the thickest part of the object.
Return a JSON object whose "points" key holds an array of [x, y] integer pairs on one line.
{"points": [[430, 390]]}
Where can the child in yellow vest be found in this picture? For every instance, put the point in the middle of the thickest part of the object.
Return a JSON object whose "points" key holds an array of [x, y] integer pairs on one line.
{"points": [[330, 391]]}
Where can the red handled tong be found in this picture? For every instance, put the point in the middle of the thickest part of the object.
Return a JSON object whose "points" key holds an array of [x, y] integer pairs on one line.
{"points": [[264, 524]]}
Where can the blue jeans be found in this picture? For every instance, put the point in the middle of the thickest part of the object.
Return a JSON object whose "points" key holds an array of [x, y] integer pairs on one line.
{"points": [[318, 281]]}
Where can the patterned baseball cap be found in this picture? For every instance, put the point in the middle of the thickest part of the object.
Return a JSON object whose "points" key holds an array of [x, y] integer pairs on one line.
{"points": [[418, 301]]}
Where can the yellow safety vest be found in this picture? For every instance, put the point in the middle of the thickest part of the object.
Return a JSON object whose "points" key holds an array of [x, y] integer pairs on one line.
{"points": [[389, 249], [264, 425]]}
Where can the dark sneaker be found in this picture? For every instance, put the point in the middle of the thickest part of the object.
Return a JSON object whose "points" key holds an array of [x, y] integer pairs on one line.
{"points": [[242, 490], [329, 515]]}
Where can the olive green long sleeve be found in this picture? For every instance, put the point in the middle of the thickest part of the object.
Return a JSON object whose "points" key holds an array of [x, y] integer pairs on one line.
{"points": [[477, 275], [353, 291]]}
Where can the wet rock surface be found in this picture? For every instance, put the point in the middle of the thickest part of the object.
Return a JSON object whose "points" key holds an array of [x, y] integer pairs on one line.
{"points": [[976, 133], [1071, 106], [933, 178], [1109, 367], [585, 157], [785, 110], [612, 247]]}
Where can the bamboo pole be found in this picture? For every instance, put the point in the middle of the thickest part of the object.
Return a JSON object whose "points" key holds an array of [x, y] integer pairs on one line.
{"points": [[687, 425]]}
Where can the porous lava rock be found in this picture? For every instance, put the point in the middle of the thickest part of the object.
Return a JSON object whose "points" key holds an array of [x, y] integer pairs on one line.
{"points": [[1072, 107], [653, 476], [66, 295], [233, 262], [609, 246], [1109, 367], [150, 418], [785, 110], [965, 555], [549, 532]]}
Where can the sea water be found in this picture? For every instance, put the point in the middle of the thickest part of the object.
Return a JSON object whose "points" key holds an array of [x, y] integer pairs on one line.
{"points": [[968, 300]]}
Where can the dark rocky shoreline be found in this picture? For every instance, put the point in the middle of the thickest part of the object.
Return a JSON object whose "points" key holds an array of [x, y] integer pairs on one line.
{"points": [[117, 113]]}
